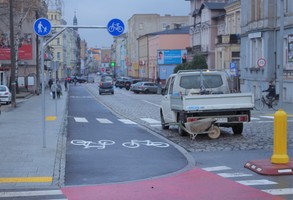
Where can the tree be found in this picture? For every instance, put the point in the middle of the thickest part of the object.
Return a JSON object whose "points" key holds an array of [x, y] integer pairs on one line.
{"points": [[198, 62]]}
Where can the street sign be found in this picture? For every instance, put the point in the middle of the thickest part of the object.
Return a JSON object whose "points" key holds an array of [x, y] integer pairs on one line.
{"points": [[42, 27], [233, 69], [261, 63], [115, 27]]}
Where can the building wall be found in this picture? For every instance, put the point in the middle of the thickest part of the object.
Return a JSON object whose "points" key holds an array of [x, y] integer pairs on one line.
{"points": [[260, 39], [141, 24]]}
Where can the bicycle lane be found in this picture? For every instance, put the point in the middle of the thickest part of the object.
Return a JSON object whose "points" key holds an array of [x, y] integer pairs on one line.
{"points": [[115, 171], [104, 148]]}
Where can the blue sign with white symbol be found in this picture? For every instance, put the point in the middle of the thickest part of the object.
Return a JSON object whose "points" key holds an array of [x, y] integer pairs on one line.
{"points": [[115, 27], [42, 27], [233, 69]]}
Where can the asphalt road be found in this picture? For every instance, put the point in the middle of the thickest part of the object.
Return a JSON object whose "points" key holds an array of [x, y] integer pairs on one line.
{"points": [[105, 148]]}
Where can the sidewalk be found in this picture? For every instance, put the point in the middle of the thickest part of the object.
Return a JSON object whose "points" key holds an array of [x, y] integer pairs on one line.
{"points": [[25, 160]]}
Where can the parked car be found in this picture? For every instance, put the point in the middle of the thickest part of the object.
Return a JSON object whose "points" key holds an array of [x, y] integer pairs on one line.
{"points": [[120, 82], [5, 94], [144, 87], [80, 79], [129, 82], [106, 85]]}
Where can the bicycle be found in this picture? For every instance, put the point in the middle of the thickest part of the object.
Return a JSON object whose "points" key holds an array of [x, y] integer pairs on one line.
{"points": [[273, 103], [137, 143]]}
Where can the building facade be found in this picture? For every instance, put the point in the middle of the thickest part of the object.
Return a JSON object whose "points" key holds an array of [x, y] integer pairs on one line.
{"points": [[260, 46], [141, 24]]}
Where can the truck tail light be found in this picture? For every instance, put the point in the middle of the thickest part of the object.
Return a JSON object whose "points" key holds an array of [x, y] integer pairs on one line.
{"points": [[243, 118]]}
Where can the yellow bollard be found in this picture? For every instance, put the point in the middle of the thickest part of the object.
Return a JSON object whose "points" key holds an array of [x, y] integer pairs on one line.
{"points": [[280, 155]]}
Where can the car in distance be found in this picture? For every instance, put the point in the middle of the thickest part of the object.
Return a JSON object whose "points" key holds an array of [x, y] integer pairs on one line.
{"points": [[106, 85], [5, 94], [144, 87]]}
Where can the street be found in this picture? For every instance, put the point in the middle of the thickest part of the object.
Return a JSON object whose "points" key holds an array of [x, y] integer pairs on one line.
{"points": [[225, 156]]}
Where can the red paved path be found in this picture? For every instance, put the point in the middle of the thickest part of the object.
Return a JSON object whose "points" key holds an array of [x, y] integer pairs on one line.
{"points": [[195, 184]]}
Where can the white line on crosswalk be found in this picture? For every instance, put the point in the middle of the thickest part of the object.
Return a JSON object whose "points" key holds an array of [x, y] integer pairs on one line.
{"points": [[217, 168], [257, 182], [30, 193], [150, 120], [282, 191], [233, 175], [104, 121], [255, 118], [126, 121], [80, 119], [268, 117]]}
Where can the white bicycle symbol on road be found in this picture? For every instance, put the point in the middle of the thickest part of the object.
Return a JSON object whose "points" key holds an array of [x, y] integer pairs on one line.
{"points": [[137, 143], [115, 27], [101, 144]]}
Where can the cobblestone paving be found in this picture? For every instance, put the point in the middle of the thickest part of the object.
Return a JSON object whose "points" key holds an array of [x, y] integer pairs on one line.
{"points": [[135, 106]]}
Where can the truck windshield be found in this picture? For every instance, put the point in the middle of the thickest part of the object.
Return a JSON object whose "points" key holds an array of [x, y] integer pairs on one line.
{"points": [[194, 81]]}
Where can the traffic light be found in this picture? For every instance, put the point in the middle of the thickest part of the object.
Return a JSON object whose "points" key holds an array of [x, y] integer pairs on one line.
{"points": [[113, 64]]}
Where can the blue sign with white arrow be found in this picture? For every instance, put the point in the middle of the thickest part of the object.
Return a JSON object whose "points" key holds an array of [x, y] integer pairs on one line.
{"points": [[115, 27], [42, 27]]}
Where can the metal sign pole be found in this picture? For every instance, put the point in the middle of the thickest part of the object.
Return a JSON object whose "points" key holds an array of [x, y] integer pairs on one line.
{"points": [[43, 93]]}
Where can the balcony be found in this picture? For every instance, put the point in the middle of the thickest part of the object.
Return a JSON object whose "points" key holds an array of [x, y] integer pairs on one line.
{"points": [[228, 39]]}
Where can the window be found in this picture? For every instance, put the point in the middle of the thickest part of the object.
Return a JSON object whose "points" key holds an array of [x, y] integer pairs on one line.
{"points": [[58, 56], [58, 41], [256, 51], [256, 9], [141, 27], [195, 81]]}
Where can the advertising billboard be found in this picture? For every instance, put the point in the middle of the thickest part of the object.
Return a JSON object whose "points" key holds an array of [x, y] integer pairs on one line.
{"points": [[171, 57], [25, 48]]}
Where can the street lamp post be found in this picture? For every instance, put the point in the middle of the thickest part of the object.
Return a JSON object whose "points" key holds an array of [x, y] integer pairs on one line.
{"points": [[281, 53]]}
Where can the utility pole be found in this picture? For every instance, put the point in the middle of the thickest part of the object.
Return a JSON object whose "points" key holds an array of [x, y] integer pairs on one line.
{"points": [[281, 54], [12, 57]]}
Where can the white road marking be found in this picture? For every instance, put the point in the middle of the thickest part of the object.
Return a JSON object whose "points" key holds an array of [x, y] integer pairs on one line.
{"points": [[152, 103], [155, 125], [30, 193], [104, 121], [80, 119], [282, 191], [268, 117], [150, 120], [257, 182], [126, 121], [218, 168], [233, 175], [255, 118]]}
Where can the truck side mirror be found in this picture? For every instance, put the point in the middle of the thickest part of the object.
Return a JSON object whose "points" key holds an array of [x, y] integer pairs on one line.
{"points": [[163, 91]]}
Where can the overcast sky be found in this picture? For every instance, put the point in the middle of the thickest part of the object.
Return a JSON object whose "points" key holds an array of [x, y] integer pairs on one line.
{"points": [[100, 12]]}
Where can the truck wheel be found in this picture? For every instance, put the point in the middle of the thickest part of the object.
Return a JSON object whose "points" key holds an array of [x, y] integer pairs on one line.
{"points": [[214, 132], [164, 127], [180, 130], [237, 128]]}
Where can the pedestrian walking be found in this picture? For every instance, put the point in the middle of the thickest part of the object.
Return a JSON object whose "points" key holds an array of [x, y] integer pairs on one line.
{"points": [[50, 82], [59, 90], [53, 90], [66, 84]]}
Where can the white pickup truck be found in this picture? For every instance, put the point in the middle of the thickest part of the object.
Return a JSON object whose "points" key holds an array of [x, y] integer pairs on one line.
{"points": [[200, 102]]}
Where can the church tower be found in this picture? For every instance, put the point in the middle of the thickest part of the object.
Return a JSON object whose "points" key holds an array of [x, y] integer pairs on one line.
{"points": [[75, 20]]}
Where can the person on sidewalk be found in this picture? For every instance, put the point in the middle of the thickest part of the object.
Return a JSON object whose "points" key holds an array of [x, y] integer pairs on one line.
{"points": [[50, 83], [58, 90], [66, 84], [53, 90]]}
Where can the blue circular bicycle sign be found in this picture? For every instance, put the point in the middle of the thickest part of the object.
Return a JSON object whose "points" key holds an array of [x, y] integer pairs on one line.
{"points": [[115, 27], [42, 27]]}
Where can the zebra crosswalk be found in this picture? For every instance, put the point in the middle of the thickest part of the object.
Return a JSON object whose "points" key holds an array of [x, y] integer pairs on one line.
{"points": [[249, 179], [152, 122], [32, 194], [155, 122]]}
